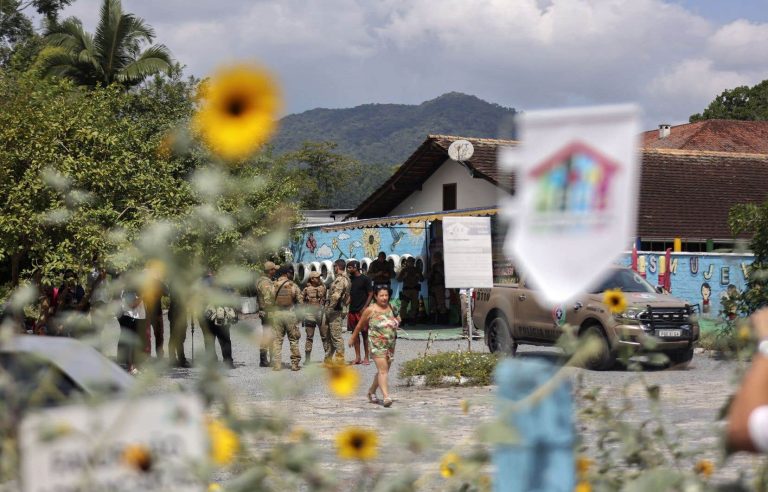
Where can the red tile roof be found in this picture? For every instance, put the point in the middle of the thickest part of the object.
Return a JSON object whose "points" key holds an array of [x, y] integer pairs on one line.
{"points": [[714, 135], [683, 193]]}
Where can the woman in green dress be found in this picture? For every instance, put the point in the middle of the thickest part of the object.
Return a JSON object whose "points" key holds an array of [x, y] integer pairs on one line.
{"points": [[382, 322]]}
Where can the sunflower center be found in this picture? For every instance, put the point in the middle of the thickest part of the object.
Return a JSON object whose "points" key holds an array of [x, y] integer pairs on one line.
{"points": [[236, 106], [357, 442]]}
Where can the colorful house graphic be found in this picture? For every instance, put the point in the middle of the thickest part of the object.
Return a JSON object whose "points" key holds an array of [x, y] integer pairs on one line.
{"points": [[576, 179]]}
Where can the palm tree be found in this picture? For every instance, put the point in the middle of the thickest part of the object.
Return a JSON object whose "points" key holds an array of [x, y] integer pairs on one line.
{"points": [[112, 55]]}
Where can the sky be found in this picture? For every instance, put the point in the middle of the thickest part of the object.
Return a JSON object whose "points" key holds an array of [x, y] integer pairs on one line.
{"points": [[672, 57]]}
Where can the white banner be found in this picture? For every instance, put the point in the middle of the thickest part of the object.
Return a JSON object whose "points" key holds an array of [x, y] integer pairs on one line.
{"points": [[83, 448], [467, 252], [577, 176]]}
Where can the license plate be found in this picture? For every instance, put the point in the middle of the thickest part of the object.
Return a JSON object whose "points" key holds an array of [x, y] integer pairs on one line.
{"points": [[668, 333]]}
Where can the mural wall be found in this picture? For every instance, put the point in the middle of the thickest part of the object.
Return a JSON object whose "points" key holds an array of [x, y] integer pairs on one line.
{"points": [[398, 242], [702, 279], [699, 278]]}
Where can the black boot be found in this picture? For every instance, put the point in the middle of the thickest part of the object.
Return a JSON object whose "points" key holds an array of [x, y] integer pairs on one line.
{"points": [[263, 361]]}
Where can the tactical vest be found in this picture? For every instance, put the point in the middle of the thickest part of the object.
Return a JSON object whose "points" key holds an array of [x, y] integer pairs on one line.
{"points": [[314, 295], [283, 295]]}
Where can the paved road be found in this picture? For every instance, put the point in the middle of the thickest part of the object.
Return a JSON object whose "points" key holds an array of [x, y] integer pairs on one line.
{"points": [[690, 400]]}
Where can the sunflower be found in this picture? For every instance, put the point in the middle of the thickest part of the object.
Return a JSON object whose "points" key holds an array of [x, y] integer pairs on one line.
{"points": [[224, 442], [137, 457], [214, 487], [615, 300], [151, 286], [343, 380], [357, 443], [583, 486], [705, 468], [583, 465], [416, 228], [449, 465], [238, 111], [371, 242]]}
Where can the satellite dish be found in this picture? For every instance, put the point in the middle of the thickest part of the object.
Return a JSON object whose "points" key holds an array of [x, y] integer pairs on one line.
{"points": [[461, 150]]}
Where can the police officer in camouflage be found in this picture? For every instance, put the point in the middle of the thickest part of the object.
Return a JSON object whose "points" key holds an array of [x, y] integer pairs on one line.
{"points": [[313, 296], [284, 322], [411, 278], [335, 307], [266, 297]]}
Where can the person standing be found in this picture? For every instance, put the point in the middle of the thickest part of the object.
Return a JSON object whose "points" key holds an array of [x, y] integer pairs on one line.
{"points": [[218, 320], [437, 288], [132, 322], [411, 278], [313, 296], [266, 297], [381, 271], [382, 321], [360, 294], [338, 301], [287, 295], [177, 318]]}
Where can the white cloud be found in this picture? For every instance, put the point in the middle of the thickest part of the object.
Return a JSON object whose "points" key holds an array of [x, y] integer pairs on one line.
{"points": [[520, 53], [324, 252]]}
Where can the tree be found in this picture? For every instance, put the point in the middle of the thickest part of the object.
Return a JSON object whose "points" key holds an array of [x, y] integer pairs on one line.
{"points": [[741, 103], [752, 218], [73, 165], [112, 55], [16, 27], [324, 176]]}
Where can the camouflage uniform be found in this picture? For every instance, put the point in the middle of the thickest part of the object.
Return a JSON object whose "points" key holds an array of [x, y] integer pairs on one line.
{"points": [[265, 294], [284, 322], [335, 307], [411, 278], [437, 288], [314, 298]]}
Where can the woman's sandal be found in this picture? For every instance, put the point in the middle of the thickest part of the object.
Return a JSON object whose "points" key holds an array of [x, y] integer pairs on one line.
{"points": [[387, 402], [372, 398]]}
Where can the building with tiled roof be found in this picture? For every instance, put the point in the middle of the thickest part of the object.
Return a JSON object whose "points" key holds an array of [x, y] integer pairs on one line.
{"points": [[710, 135], [684, 194]]}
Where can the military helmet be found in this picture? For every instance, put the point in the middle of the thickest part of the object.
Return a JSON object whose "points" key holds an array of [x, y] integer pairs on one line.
{"points": [[269, 266], [314, 275]]}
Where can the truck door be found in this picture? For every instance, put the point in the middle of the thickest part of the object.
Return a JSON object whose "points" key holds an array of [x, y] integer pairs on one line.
{"points": [[533, 318]]}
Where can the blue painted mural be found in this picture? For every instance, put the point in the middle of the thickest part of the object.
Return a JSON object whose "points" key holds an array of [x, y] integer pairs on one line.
{"points": [[699, 278], [319, 247], [702, 279]]}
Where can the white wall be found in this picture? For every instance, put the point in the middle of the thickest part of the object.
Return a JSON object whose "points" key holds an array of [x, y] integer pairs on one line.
{"points": [[470, 192]]}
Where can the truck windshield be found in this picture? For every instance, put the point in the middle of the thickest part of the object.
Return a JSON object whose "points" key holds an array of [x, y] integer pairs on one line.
{"points": [[626, 280]]}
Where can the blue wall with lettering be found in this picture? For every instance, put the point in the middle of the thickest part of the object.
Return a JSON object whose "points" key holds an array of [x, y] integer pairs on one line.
{"points": [[699, 278]]}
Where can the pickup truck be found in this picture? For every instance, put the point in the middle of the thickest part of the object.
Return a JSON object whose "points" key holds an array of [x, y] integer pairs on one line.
{"points": [[513, 314]]}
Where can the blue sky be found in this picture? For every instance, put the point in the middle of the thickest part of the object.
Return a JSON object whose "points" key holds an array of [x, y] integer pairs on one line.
{"points": [[670, 56]]}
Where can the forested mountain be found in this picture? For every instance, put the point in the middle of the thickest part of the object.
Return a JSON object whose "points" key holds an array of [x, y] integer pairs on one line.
{"points": [[382, 136]]}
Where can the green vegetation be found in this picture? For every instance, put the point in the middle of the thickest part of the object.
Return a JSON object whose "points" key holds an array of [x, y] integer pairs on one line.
{"points": [[741, 103], [382, 136], [475, 366]]}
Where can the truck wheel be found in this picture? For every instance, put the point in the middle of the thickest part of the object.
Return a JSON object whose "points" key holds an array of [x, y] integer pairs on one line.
{"points": [[499, 338], [602, 359], [680, 359]]}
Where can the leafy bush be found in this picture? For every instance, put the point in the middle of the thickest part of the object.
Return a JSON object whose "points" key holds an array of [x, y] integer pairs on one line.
{"points": [[476, 367]]}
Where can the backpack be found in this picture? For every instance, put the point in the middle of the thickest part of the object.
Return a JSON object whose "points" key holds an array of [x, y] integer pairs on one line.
{"points": [[221, 315]]}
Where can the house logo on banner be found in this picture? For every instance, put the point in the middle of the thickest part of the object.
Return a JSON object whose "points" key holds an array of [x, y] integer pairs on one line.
{"points": [[575, 209], [573, 188]]}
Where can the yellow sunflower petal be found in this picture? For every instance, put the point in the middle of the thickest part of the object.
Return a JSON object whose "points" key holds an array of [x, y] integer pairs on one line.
{"points": [[238, 111], [224, 442], [343, 380], [449, 465], [357, 443]]}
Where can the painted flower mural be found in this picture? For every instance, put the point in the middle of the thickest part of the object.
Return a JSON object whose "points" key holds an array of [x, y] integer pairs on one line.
{"points": [[371, 242], [416, 228]]}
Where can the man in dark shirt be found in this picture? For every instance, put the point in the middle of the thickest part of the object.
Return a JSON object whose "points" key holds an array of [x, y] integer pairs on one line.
{"points": [[360, 294], [381, 271]]}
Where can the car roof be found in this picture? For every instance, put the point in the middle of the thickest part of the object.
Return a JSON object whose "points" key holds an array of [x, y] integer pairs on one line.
{"points": [[81, 362]]}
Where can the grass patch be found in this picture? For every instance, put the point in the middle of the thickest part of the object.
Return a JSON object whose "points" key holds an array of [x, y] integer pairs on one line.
{"points": [[475, 366]]}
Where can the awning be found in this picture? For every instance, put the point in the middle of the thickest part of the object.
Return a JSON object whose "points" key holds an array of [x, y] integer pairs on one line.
{"points": [[405, 219]]}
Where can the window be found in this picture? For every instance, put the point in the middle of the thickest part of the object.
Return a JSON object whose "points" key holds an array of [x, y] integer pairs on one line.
{"points": [[449, 196]]}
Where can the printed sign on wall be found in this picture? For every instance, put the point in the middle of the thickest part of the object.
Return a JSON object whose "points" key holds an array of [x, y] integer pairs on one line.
{"points": [[467, 252], [577, 176]]}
